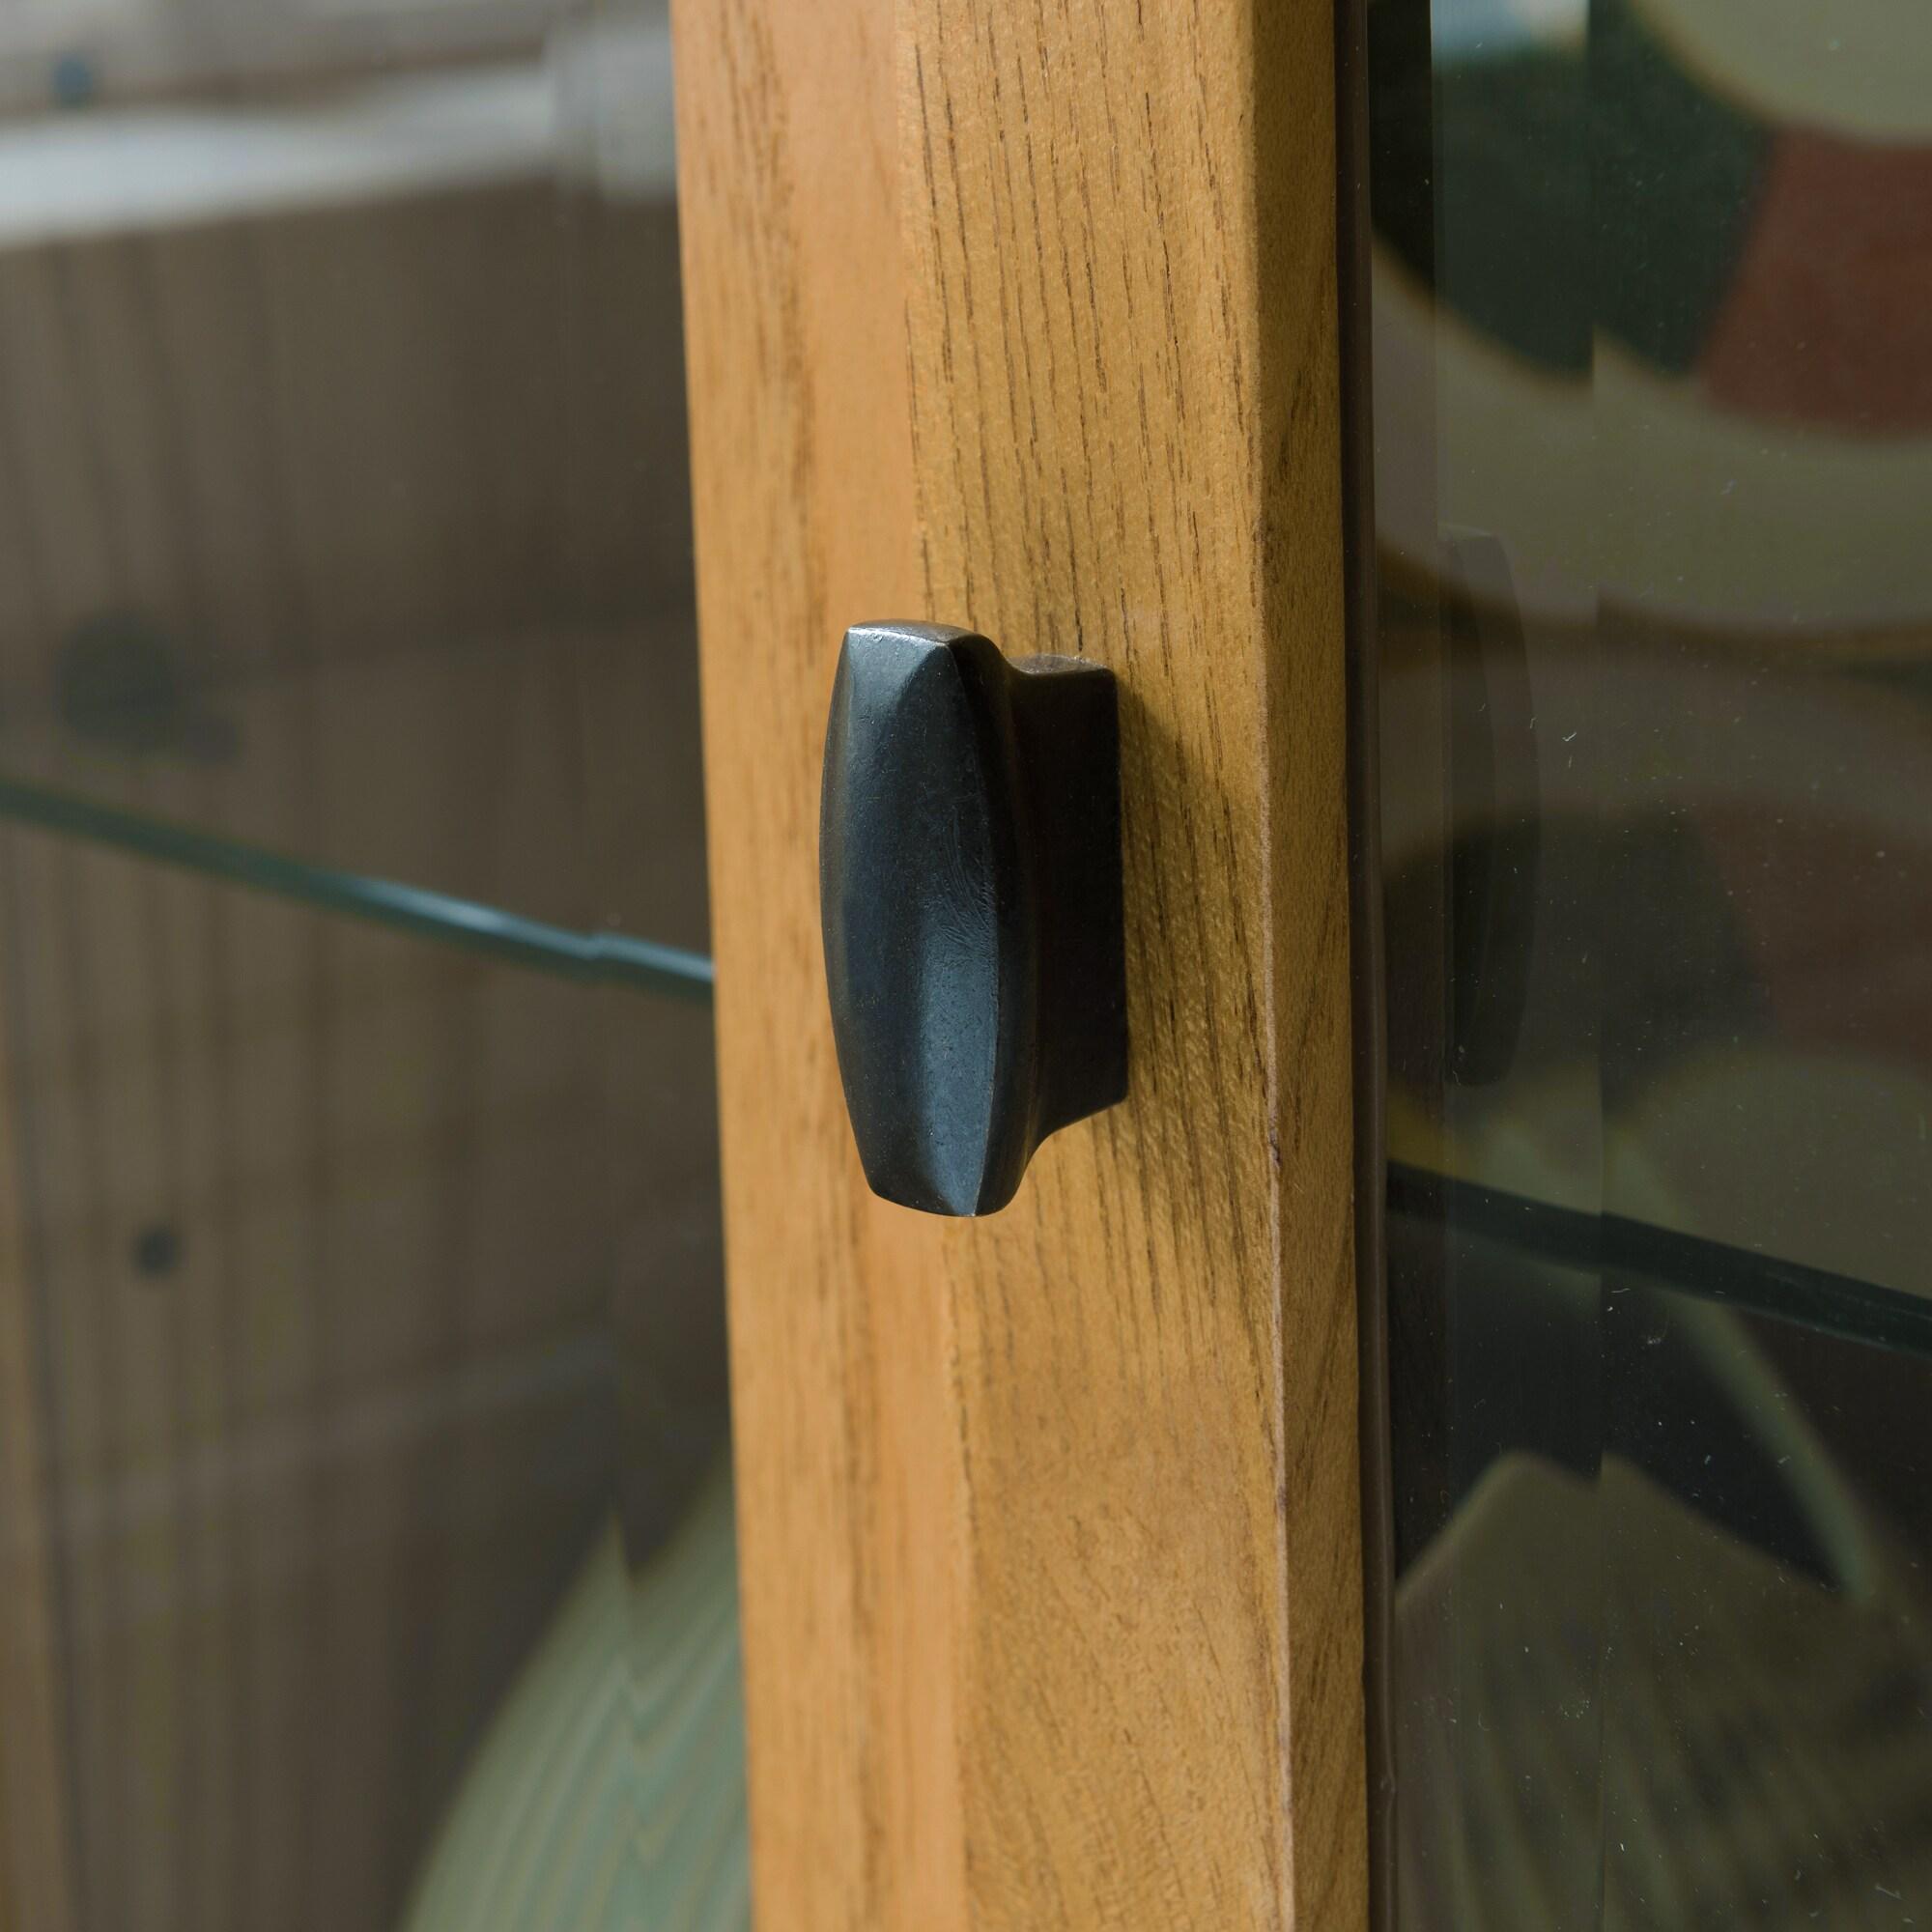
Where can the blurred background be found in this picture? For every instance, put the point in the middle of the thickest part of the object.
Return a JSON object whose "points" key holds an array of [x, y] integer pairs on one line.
{"points": [[362, 1414]]}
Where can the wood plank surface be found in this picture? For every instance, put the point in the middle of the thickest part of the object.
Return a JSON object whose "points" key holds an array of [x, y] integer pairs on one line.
{"points": [[36, 1891], [847, 1453], [1025, 319]]}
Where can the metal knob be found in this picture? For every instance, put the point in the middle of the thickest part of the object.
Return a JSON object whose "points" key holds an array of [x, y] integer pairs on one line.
{"points": [[970, 892]]}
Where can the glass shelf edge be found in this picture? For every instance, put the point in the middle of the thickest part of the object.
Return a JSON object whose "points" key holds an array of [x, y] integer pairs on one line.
{"points": [[1840, 1305], [610, 958]]}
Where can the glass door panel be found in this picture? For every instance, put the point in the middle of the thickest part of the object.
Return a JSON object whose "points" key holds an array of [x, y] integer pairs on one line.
{"points": [[1653, 416], [361, 1338]]}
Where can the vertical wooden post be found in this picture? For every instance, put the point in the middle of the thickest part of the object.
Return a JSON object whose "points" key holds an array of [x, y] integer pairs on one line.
{"points": [[1025, 319]]}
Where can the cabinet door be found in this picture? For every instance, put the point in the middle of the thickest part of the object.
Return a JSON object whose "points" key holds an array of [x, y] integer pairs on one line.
{"points": [[1026, 320]]}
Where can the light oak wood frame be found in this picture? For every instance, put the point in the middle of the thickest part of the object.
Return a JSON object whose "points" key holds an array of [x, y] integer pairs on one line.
{"points": [[1024, 318]]}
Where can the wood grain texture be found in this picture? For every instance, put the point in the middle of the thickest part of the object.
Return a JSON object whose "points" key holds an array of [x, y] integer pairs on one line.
{"points": [[35, 1837], [1125, 408], [1049, 1524], [848, 1479]]}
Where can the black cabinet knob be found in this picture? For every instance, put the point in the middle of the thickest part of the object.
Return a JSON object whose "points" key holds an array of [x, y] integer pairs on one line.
{"points": [[969, 889]]}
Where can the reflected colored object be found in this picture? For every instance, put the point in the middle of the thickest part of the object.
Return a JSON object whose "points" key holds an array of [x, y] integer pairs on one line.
{"points": [[1828, 317], [1521, 209], [1635, 292], [1653, 334], [1630, 1768], [609, 1792]]}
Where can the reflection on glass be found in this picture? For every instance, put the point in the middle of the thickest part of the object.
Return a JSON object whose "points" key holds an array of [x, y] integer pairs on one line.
{"points": [[1653, 420], [364, 1519]]}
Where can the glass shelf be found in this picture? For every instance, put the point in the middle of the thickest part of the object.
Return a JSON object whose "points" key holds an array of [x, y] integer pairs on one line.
{"points": [[486, 793], [1784, 1291], [612, 957]]}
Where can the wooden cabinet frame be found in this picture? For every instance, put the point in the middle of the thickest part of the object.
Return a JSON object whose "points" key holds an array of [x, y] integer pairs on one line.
{"points": [[1025, 318]]}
